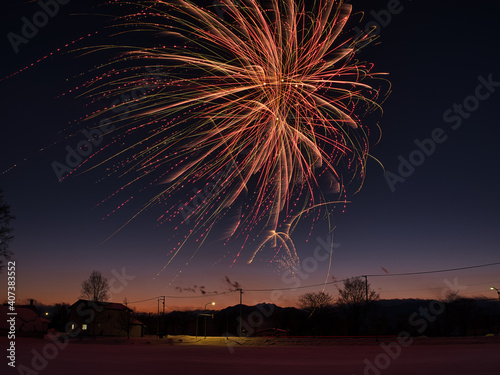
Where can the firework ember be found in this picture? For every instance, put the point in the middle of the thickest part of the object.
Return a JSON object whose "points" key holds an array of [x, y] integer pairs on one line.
{"points": [[257, 105]]}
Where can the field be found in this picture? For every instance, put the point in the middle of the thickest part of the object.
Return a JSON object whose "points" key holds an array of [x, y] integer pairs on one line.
{"points": [[190, 355]]}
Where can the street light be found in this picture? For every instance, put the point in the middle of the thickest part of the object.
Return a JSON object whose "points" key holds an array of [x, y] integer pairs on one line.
{"points": [[205, 317], [498, 291], [208, 303]]}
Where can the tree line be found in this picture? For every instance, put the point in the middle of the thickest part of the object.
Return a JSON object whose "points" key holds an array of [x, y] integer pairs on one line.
{"points": [[357, 310]]}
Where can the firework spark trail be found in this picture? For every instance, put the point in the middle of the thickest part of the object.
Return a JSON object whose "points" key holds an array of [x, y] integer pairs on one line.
{"points": [[273, 91]]}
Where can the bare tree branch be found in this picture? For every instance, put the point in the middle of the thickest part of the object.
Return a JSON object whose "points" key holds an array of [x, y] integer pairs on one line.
{"points": [[5, 232], [354, 292], [95, 288], [318, 301]]}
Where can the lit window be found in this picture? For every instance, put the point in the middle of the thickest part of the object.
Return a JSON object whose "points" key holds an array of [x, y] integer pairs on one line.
{"points": [[84, 327], [72, 326]]}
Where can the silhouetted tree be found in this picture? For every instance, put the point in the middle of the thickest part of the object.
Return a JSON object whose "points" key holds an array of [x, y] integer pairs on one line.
{"points": [[458, 314], [315, 301], [60, 316], [318, 304], [183, 319], [95, 288], [5, 232], [354, 292], [353, 297]]}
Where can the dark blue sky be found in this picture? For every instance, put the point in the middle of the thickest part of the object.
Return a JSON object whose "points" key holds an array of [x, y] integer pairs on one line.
{"points": [[444, 214]]}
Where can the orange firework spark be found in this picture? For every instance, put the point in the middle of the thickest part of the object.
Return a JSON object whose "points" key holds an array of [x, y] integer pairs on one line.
{"points": [[260, 107]]}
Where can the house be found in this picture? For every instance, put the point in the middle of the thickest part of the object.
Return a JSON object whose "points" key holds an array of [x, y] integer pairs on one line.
{"points": [[27, 322], [103, 319]]}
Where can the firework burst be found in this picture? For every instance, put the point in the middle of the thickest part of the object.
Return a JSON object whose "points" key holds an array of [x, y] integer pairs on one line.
{"points": [[260, 109]]}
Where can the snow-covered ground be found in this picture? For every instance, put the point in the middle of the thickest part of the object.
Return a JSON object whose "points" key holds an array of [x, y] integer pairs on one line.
{"points": [[190, 355]]}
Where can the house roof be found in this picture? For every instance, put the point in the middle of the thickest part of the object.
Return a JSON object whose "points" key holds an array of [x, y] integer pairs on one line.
{"points": [[30, 307], [105, 305], [25, 318], [136, 322]]}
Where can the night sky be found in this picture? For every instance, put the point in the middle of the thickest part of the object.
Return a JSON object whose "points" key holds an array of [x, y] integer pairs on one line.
{"points": [[442, 213]]}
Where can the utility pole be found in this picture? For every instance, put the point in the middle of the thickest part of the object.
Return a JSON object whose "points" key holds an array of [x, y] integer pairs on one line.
{"points": [[163, 316], [158, 320], [366, 288], [160, 298], [241, 306], [366, 297]]}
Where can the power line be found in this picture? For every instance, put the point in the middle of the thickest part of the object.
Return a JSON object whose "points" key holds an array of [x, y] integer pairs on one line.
{"points": [[202, 296], [144, 300], [205, 295], [435, 271], [377, 275], [328, 283], [294, 288]]}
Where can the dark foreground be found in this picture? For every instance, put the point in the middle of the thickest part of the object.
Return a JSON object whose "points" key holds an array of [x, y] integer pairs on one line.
{"points": [[221, 356]]}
